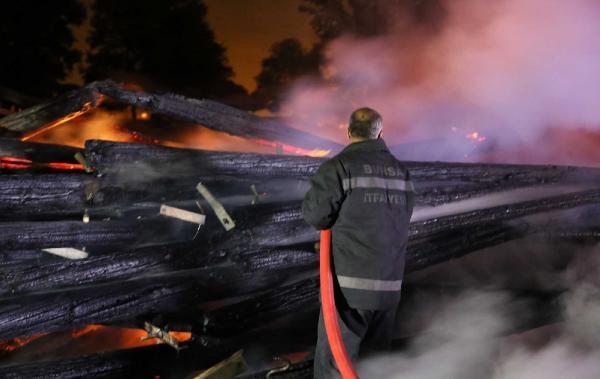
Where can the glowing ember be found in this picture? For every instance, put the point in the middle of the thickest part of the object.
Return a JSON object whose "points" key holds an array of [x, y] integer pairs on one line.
{"points": [[14, 163], [16, 343], [21, 164], [144, 116]]}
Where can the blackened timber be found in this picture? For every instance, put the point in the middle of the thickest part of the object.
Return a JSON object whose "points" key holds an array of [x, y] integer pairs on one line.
{"points": [[37, 152], [152, 161], [505, 212], [260, 310], [55, 273], [446, 245], [137, 362], [48, 196], [49, 272], [273, 227], [68, 105], [142, 362], [43, 196], [76, 234], [267, 225], [148, 294], [217, 116], [127, 191], [252, 271], [55, 196], [259, 226]]}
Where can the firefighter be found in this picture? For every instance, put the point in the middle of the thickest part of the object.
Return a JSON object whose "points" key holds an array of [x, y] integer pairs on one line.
{"points": [[365, 196]]}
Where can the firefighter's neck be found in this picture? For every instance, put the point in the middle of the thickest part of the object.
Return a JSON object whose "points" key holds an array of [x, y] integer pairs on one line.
{"points": [[360, 139], [357, 139]]}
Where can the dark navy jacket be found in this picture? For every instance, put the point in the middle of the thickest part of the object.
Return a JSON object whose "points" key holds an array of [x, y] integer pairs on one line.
{"points": [[364, 194]]}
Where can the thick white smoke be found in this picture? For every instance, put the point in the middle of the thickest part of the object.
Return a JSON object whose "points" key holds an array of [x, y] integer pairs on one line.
{"points": [[519, 72], [467, 338]]}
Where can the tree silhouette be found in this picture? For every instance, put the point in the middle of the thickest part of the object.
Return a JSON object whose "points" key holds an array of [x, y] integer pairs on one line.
{"points": [[164, 42], [287, 61], [332, 18], [36, 44], [368, 18]]}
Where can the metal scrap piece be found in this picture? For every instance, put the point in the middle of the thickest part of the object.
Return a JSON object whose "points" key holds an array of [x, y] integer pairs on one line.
{"points": [[182, 214], [156, 332], [81, 159], [221, 213], [278, 370], [257, 196], [226, 369], [67, 252]]}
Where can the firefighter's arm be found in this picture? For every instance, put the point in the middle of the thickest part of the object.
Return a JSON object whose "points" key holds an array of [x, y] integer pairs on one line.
{"points": [[324, 199]]}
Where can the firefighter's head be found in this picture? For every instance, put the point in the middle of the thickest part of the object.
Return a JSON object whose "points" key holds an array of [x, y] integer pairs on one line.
{"points": [[365, 123]]}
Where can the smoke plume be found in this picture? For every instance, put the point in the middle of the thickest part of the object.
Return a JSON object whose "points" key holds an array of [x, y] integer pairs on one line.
{"points": [[522, 74]]}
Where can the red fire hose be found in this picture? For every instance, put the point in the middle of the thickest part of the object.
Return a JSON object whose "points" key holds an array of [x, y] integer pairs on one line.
{"points": [[334, 336]]}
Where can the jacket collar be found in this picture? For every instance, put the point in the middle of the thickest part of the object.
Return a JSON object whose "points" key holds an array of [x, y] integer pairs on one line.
{"points": [[368, 145]]}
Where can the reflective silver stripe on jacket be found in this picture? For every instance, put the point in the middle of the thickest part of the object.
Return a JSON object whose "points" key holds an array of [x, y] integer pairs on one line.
{"points": [[377, 182], [369, 284]]}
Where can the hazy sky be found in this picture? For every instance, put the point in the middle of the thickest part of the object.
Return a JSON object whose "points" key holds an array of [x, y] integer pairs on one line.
{"points": [[247, 28]]}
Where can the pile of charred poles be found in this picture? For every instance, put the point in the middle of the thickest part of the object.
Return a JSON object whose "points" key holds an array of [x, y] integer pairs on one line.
{"points": [[141, 234]]}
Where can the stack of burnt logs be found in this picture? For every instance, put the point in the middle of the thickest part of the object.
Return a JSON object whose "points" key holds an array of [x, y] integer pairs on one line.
{"points": [[238, 269]]}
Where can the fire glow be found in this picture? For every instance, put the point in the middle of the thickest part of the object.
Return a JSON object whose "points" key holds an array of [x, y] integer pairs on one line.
{"points": [[90, 339], [74, 130], [12, 163]]}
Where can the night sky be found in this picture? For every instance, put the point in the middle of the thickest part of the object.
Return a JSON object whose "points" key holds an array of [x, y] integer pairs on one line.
{"points": [[247, 29]]}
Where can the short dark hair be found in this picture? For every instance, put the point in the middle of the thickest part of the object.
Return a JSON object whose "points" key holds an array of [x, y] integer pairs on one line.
{"points": [[365, 123]]}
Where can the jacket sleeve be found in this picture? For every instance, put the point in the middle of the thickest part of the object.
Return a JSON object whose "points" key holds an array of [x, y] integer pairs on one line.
{"points": [[323, 201]]}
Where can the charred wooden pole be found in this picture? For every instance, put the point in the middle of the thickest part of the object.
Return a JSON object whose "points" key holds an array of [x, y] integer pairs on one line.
{"points": [[92, 235], [37, 152], [44, 196], [268, 226], [53, 112], [505, 212], [146, 295], [217, 116], [435, 182], [252, 271]]}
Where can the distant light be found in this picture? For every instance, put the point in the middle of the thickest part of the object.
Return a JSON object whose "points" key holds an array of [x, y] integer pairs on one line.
{"points": [[476, 137]]}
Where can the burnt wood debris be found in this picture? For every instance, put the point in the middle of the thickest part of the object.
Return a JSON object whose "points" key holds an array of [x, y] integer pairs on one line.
{"points": [[254, 286]]}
